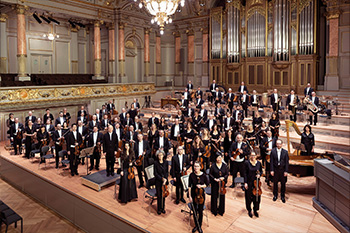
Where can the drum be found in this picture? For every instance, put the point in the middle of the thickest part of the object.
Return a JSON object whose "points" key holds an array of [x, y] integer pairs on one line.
{"points": [[265, 99]]}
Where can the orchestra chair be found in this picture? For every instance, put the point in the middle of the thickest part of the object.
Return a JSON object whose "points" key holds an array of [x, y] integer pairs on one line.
{"points": [[46, 156], [189, 210], [61, 155], [151, 192], [239, 181], [207, 189], [8, 216]]}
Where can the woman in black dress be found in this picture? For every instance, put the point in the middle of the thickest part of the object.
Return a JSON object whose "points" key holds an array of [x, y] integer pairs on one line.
{"points": [[188, 138], [161, 175], [215, 142], [250, 137], [253, 169], [163, 124], [43, 140], [229, 139], [257, 121], [152, 135], [198, 150], [9, 122], [308, 139], [198, 180], [127, 188], [274, 124], [218, 173], [29, 133]]}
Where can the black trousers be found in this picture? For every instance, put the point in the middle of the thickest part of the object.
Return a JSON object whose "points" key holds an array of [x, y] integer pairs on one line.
{"points": [[160, 198], [250, 198], [236, 167], [314, 119], [245, 109], [73, 162], [294, 116], [17, 142], [110, 160], [139, 174], [199, 213], [179, 188], [275, 107], [58, 148], [28, 146], [279, 177], [215, 209], [95, 156]]}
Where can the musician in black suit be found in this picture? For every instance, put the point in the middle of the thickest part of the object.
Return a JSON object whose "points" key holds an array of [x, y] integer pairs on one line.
{"points": [[82, 118], [66, 115], [15, 131], [219, 113], [48, 115], [274, 100], [110, 106], [128, 121], [142, 152], [308, 90], [217, 95], [153, 120], [57, 136], [60, 119], [138, 124], [110, 148], [279, 162], [243, 88], [229, 99], [245, 102], [254, 101], [30, 117], [49, 128], [176, 130], [292, 102], [93, 123], [314, 99], [82, 110], [180, 163], [189, 85], [84, 132], [189, 111], [228, 122], [238, 115], [99, 115], [130, 135], [104, 122], [122, 115], [161, 142], [199, 92], [187, 95], [210, 122], [199, 102], [136, 104], [73, 139], [183, 103], [118, 131], [267, 144], [95, 140], [203, 113], [212, 89]]}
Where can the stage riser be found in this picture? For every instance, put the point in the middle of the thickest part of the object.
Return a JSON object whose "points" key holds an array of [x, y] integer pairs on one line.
{"points": [[327, 132], [80, 212]]}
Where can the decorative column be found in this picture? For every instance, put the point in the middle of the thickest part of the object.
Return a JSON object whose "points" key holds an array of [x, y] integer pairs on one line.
{"points": [[97, 47], [179, 69], [205, 58], [3, 44], [190, 55], [74, 49], [146, 54], [111, 53], [158, 56], [21, 44], [121, 55], [332, 72]]}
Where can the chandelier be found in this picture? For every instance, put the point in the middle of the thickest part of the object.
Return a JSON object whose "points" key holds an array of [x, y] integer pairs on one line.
{"points": [[161, 10]]}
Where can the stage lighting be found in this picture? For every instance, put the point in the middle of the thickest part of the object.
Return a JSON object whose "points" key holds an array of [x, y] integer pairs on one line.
{"points": [[37, 18], [53, 20], [80, 24], [71, 23], [45, 19]]}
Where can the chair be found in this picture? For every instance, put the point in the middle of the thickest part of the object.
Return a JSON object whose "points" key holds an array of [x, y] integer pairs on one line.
{"points": [[45, 156], [8, 217], [64, 162], [150, 193], [238, 180], [117, 182]]}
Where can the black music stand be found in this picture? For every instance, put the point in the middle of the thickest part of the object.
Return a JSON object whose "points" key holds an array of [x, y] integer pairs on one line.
{"points": [[298, 146], [85, 153]]}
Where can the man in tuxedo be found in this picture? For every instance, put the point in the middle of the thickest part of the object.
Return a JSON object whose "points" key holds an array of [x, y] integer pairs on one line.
{"points": [[138, 124], [211, 121], [73, 139], [238, 116], [228, 122], [199, 102], [60, 119], [308, 90], [105, 122], [314, 99], [237, 153], [266, 146], [30, 117], [48, 115], [279, 162], [118, 131], [82, 118], [122, 115], [217, 96], [274, 100], [110, 148], [66, 115], [203, 113], [292, 102], [176, 130], [82, 110], [199, 92], [57, 136], [15, 129], [189, 111], [153, 120], [254, 101], [212, 89], [128, 121], [183, 102], [242, 88], [93, 123], [187, 95], [189, 85], [136, 104], [49, 128], [180, 163], [110, 106], [99, 115], [95, 140], [229, 99], [245, 102], [219, 113], [162, 142], [142, 149], [131, 135]]}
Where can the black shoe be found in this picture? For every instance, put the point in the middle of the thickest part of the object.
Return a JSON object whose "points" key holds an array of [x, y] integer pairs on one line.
{"points": [[274, 198], [56, 167], [140, 186], [64, 165], [250, 214], [108, 174], [177, 202], [158, 212], [83, 163], [90, 168], [183, 200], [97, 168], [42, 161], [221, 214], [76, 173], [72, 173], [163, 211], [268, 184], [283, 199], [194, 229], [256, 214], [112, 174], [232, 186]]}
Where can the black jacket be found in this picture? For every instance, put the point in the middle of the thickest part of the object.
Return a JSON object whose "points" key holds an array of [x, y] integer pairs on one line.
{"points": [[284, 160], [175, 165], [110, 146]]}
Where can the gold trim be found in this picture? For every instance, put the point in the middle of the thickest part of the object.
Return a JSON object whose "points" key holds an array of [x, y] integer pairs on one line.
{"points": [[3, 17], [21, 9], [46, 40], [21, 55], [3, 58], [333, 14], [74, 61]]}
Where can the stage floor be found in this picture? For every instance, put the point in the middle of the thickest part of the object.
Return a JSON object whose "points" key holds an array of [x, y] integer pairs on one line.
{"points": [[296, 215]]}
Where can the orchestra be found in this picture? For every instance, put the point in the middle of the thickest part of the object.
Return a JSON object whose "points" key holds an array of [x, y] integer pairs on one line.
{"points": [[212, 143]]}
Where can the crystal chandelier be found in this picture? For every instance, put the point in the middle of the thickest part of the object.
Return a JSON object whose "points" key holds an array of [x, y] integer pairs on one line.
{"points": [[161, 10]]}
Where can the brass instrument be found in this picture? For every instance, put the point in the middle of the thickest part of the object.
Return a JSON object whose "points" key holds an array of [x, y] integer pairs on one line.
{"points": [[310, 105]]}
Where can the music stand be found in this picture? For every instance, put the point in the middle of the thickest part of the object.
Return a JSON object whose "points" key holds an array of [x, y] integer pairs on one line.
{"points": [[298, 147], [85, 153]]}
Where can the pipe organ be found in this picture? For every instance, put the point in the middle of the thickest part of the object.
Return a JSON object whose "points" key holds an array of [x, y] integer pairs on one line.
{"points": [[265, 43]]}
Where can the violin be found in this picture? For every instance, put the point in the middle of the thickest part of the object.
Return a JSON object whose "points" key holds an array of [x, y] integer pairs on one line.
{"points": [[222, 188], [183, 173], [120, 145], [139, 160], [179, 140], [199, 198], [19, 135], [188, 148], [131, 174], [257, 187], [165, 191], [44, 143], [207, 151], [236, 154]]}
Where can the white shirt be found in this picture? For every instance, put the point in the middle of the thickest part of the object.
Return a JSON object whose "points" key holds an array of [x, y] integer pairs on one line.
{"points": [[136, 125], [82, 119], [182, 102], [291, 99], [161, 142], [198, 101], [211, 123], [93, 123], [202, 112], [313, 99], [75, 135], [61, 120], [30, 118], [48, 128], [276, 97], [98, 116], [279, 155], [228, 122], [239, 146], [117, 131], [110, 136], [244, 97], [307, 90], [217, 94], [180, 161], [185, 95], [95, 138], [229, 95], [16, 127], [254, 99], [80, 130], [124, 114], [176, 130], [106, 122], [242, 89], [189, 112], [140, 148], [135, 105], [59, 133], [237, 114], [270, 145]]}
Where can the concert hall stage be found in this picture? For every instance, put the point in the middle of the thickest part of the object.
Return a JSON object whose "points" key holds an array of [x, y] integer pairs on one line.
{"points": [[94, 211]]}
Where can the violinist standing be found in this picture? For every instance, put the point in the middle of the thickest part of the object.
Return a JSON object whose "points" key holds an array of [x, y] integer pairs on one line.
{"points": [[218, 174], [198, 180], [95, 140], [180, 163], [73, 139], [16, 128], [161, 175], [29, 133], [57, 136], [253, 169]]}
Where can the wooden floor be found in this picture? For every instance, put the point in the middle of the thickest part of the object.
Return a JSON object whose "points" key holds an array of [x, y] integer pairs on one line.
{"points": [[37, 218], [296, 215]]}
